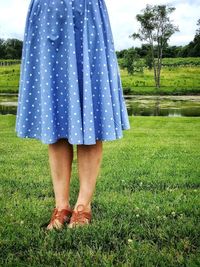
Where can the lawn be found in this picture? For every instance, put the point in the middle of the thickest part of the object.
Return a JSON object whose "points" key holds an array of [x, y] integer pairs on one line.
{"points": [[145, 208]]}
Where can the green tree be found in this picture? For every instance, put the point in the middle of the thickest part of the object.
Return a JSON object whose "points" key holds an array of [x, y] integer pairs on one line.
{"points": [[198, 29], [193, 48], [2, 48], [149, 61], [155, 28], [13, 48], [130, 60]]}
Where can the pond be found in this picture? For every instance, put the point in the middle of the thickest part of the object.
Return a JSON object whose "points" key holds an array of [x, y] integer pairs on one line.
{"points": [[136, 105], [176, 106]]}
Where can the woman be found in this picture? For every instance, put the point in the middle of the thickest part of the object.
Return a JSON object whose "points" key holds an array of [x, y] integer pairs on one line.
{"points": [[70, 94]]}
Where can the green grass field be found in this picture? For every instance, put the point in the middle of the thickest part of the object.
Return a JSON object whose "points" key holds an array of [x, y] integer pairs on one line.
{"points": [[180, 77], [145, 209], [9, 78], [174, 81]]}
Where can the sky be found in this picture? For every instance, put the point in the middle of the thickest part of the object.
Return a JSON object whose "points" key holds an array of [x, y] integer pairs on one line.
{"points": [[122, 15]]}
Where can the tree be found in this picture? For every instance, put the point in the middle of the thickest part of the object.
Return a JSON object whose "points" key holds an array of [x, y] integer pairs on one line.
{"points": [[120, 54], [143, 50], [10, 48], [193, 48], [13, 48], [198, 30], [148, 61], [156, 28], [2, 48], [130, 60]]}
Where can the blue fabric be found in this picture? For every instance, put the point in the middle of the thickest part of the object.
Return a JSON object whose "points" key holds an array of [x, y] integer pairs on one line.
{"points": [[70, 85]]}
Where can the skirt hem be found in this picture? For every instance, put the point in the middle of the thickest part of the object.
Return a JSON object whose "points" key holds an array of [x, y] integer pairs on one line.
{"points": [[71, 142]]}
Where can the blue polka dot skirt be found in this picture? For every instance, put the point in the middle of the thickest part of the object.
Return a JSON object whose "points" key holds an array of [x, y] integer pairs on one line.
{"points": [[70, 85]]}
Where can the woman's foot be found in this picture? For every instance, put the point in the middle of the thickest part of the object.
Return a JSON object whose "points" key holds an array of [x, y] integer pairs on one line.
{"points": [[80, 216], [59, 217]]}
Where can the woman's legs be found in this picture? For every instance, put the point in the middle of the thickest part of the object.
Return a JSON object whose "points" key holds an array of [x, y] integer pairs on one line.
{"points": [[89, 160], [60, 159]]}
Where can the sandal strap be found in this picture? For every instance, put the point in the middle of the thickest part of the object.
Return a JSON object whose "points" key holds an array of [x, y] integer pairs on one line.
{"points": [[61, 215], [81, 216]]}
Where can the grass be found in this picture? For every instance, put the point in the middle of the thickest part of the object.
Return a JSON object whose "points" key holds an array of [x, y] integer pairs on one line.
{"points": [[9, 78], [145, 207], [175, 80]]}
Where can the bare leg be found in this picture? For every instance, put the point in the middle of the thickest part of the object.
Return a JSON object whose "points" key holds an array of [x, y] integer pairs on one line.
{"points": [[89, 160], [60, 159]]}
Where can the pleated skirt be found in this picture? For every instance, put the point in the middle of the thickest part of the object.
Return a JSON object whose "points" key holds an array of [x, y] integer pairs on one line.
{"points": [[70, 85]]}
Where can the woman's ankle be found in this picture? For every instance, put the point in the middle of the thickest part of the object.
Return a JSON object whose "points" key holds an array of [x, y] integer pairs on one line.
{"points": [[63, 206], [87, 207]]}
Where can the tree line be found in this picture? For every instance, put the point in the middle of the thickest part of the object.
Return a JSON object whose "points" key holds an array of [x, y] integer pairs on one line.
{"points": [[12, 48]]}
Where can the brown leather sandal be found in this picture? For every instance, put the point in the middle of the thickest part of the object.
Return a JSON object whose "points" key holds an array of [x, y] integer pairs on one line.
{"points": [[59, 218], [80, 217]]}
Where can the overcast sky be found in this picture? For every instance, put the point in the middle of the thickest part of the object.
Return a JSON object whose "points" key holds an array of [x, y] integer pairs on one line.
{"points": [[122, 17]]}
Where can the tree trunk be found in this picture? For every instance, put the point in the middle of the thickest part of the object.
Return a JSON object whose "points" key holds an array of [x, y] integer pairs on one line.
{"points": [[159, 67], [154, 64]]}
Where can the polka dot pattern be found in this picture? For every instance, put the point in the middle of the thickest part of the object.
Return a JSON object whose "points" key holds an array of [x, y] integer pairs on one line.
{"points": [[70, 85]]}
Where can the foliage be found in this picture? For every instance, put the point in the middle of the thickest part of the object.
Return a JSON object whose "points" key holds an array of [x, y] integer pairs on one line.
{"points": [[131, 62], [10, 48], [193, 48]]}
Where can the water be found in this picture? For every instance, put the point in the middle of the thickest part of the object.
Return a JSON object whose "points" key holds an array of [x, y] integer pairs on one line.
{"points": [[8, 103], [176, 106]]}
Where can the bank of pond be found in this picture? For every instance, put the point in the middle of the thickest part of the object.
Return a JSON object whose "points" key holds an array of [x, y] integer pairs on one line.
{"points": [[136, 105]]}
